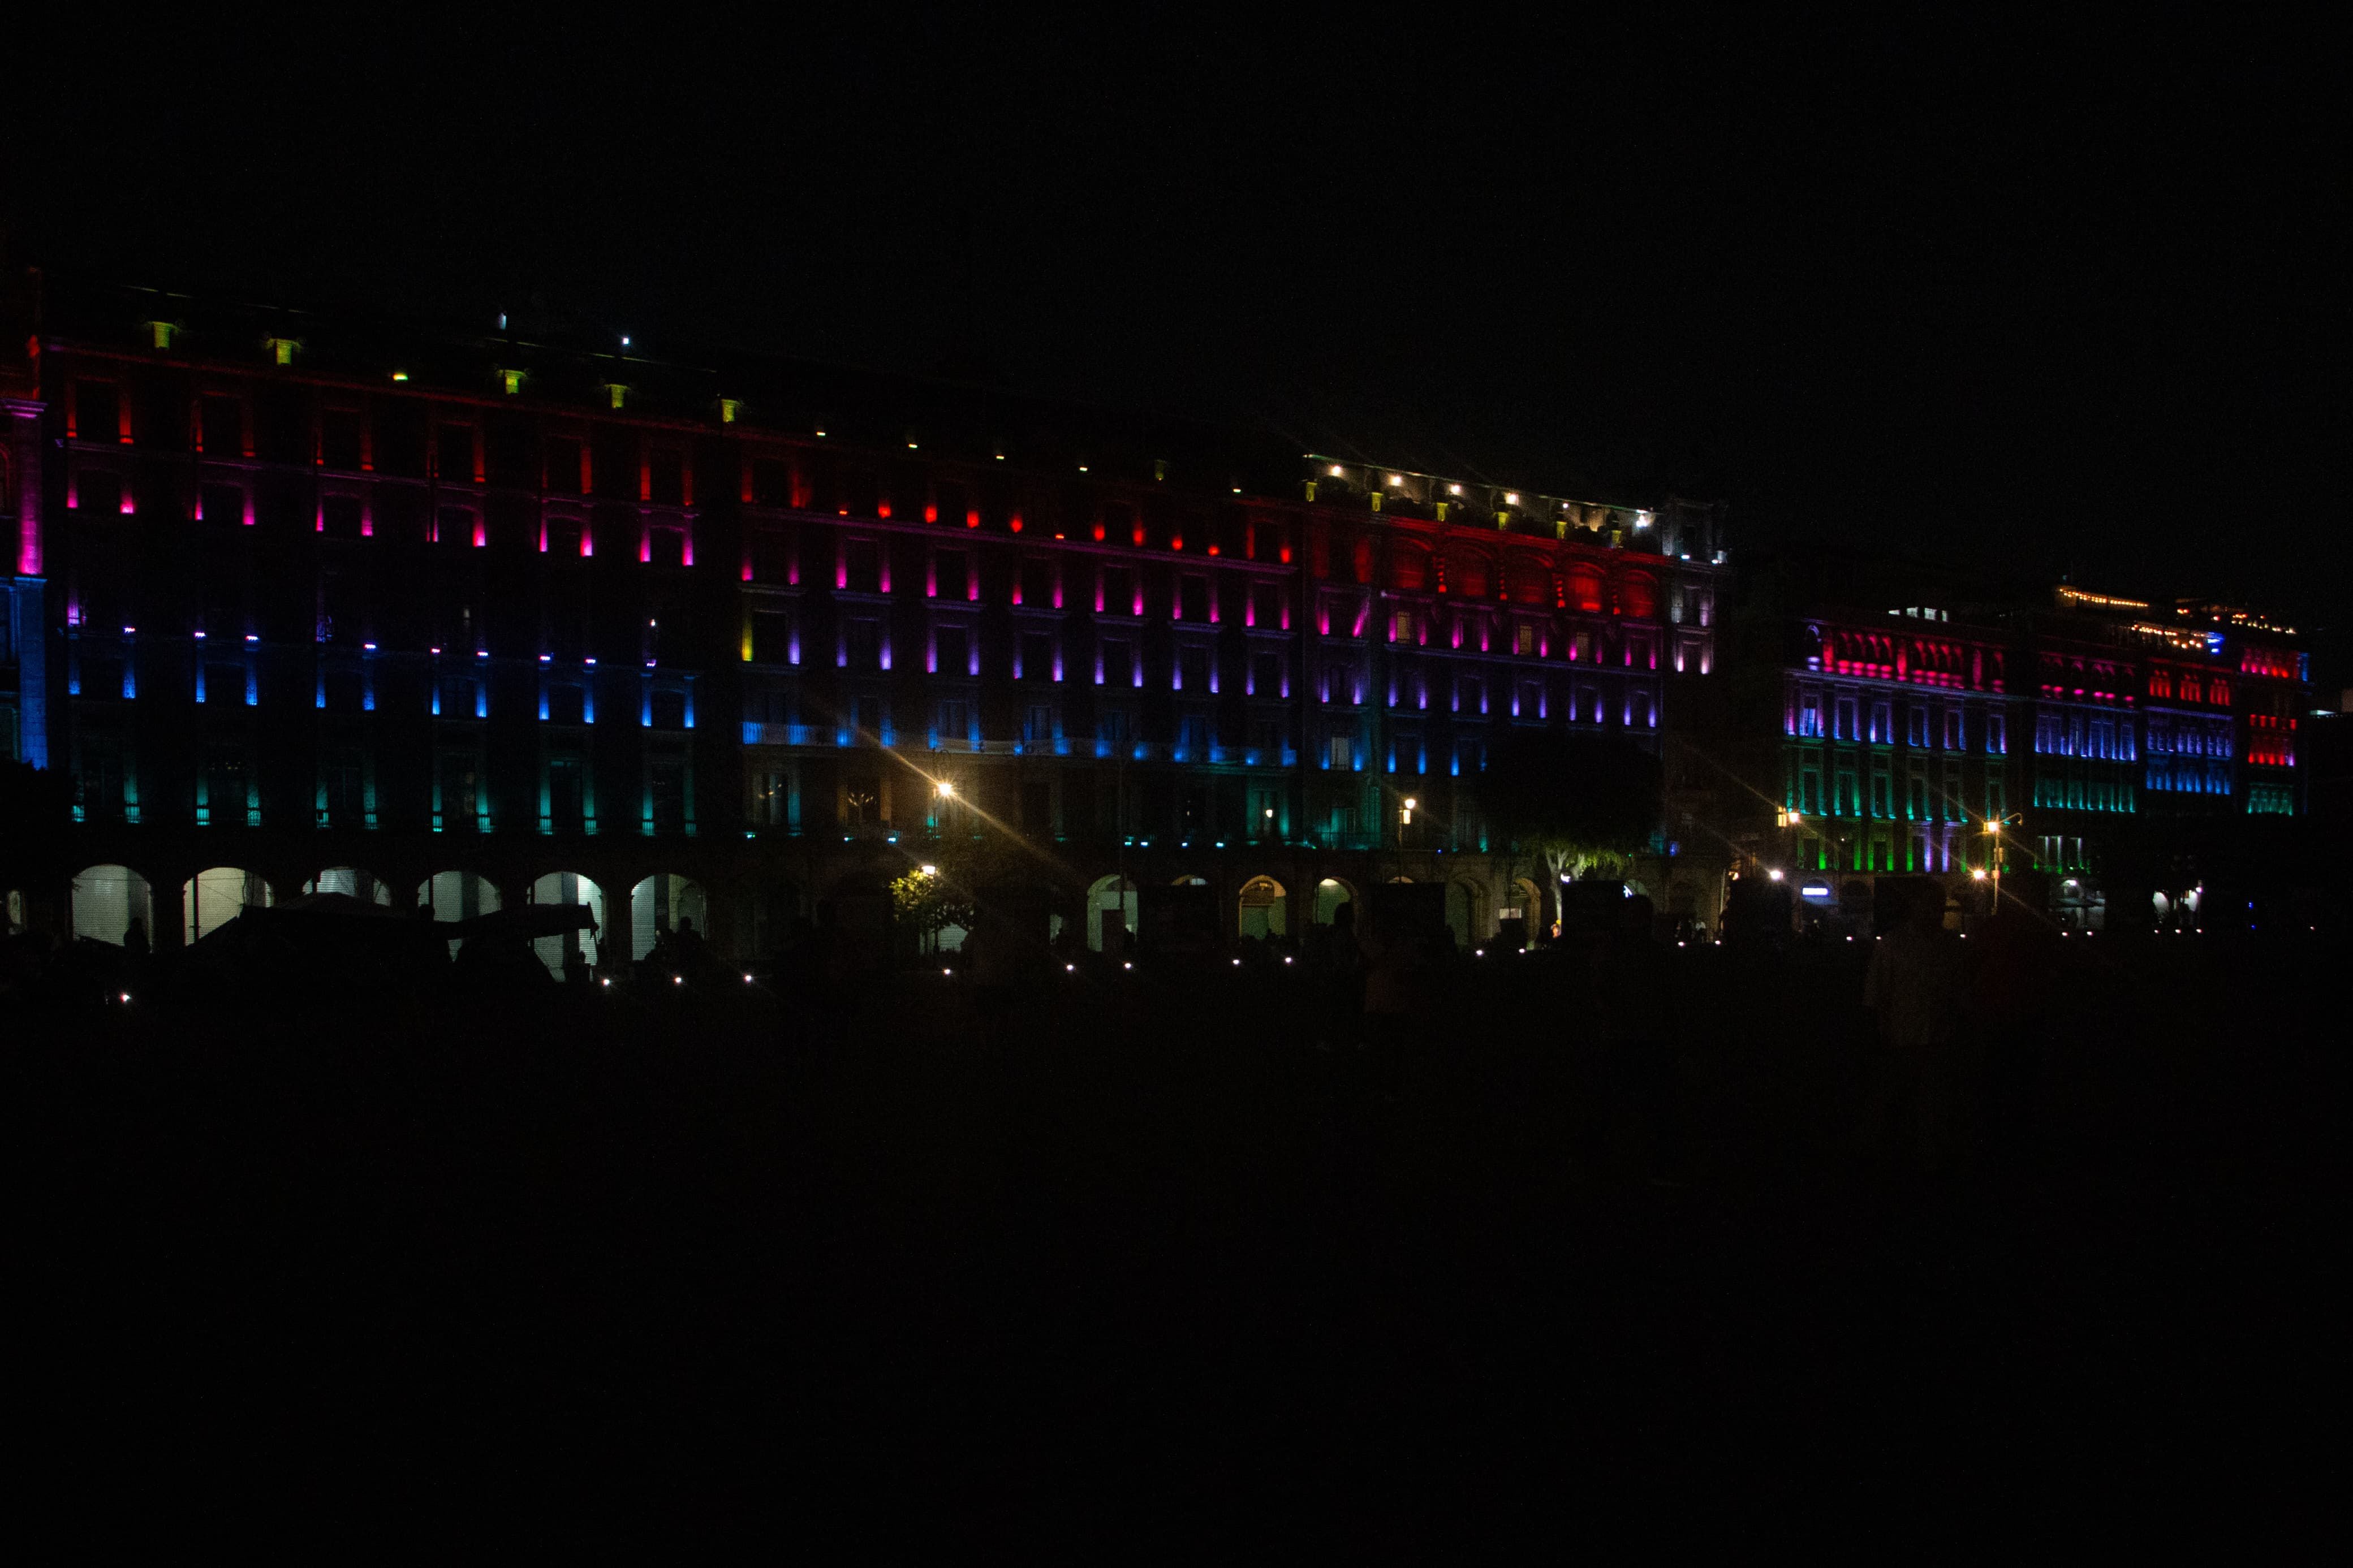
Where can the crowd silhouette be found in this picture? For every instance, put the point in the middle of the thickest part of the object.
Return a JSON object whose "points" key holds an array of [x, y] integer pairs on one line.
{"points": [[1336, 1211]]}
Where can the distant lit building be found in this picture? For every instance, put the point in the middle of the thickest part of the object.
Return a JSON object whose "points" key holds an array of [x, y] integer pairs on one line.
{"points": [[1926, 741]]}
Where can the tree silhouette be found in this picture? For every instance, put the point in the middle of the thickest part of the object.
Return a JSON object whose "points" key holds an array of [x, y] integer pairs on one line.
{"points": [[1572, 798]]}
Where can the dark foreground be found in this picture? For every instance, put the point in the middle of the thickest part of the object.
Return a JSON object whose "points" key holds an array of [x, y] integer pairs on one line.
{"points": [[1154, 1256]]}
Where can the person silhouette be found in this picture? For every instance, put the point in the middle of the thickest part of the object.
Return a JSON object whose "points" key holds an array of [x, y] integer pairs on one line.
{"points": [[1918, 1105], [689, 950]]}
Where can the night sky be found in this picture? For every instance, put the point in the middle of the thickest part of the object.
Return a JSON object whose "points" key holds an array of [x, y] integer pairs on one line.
{"points": [[1980, 290]]}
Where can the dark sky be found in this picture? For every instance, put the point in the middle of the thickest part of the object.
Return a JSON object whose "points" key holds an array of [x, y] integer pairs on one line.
{"points": [[2047, 295]]}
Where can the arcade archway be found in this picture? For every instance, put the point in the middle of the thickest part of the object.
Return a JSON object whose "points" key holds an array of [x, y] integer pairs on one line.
{"points": [[210, 899], [1265, 909], [107, 899]]}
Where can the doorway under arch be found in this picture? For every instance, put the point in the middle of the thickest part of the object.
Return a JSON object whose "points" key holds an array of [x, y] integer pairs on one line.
{"points": [[1464, 914], [1265, 908], [1330, 894], [107, 899], [353, 883], [212, 899], [457, 895], [1111, 900], [659, 905], [568, 888], [1532, 906]]}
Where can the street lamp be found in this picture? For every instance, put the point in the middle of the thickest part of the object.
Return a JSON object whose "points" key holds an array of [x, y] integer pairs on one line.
{"points": [[1993, 852]]}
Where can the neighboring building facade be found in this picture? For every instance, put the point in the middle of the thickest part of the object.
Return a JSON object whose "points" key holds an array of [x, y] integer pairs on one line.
{"points": [[1896, 744], [301, 605], [2061, 738]]}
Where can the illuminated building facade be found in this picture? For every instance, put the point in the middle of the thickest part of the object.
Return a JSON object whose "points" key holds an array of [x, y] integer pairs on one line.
{"points": [[330, 605], [1929, 741], [1896, 743]]}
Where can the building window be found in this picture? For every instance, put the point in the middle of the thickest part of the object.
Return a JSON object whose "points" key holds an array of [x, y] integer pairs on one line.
{"points": [[457, 786], [772, 637], [1036, 587], [1339, 751], [861, 801], [768, 798], [1266, 674], [1038, 724], [221, 423], [567, 796], [342, 789], [861, 566], [666, 795], [1193, 599]]}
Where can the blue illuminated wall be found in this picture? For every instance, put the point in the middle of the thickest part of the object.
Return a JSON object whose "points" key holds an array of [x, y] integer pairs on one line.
{"points": [[24, 672]]}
